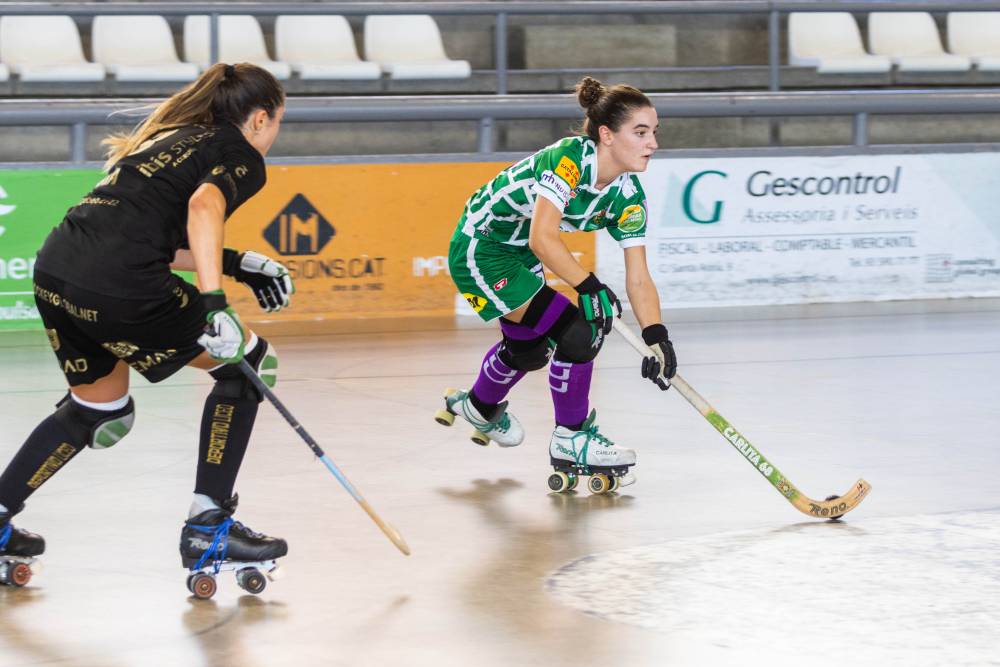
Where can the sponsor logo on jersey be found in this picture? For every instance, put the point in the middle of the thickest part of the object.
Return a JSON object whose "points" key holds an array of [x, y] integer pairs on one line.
{"points": [[499, 285], [558, 185], [568, 171], [299, 229], [632, 219], [477, 302], [122, 349]]}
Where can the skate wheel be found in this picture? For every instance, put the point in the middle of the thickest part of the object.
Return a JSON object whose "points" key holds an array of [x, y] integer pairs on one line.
{"points": [[573, 481], [480, 438], [559, 482], [614, 484], [251, 580], [444, 418], [449, 391], [202, 586], [19, 574], [599, 483]]}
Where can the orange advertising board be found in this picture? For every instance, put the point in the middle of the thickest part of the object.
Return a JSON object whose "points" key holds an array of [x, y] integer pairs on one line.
{"points": [[363, 242]]}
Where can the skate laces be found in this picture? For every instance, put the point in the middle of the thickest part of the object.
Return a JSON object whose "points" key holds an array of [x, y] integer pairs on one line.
{"points": [[592, 433], [219, 546], [5, 534]]}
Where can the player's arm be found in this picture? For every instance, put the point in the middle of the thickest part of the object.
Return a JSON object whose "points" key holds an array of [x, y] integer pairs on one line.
{"points": [[645, 302], [205, 229], [545, 241]]}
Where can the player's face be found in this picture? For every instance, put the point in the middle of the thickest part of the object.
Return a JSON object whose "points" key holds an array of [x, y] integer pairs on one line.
{"points": [[634, 142], [263, 129]]}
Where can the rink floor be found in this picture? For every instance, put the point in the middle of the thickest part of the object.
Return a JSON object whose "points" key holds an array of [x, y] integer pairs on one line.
{"points": [[700, 562]]}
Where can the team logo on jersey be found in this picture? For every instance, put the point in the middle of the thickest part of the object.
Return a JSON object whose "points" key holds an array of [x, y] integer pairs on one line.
{"points": [[568, 171], [122, 349], [477, 302], [299, 229], [499, 285], [632, 219]]}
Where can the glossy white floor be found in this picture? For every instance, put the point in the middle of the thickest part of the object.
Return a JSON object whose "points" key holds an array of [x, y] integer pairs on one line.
{"points": [[700, 562]]}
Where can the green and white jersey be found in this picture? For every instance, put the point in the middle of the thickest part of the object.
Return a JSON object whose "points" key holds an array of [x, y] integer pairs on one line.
{"points": [[564, 173]]}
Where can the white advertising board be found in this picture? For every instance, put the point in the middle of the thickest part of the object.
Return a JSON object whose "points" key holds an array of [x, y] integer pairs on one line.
{"points": [[777, 230]]}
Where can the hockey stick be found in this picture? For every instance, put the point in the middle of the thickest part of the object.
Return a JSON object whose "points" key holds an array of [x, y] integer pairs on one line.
{"points": [[389, 531], [833, 507]]}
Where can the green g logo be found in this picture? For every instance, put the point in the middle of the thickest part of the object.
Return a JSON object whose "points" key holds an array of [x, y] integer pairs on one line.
{"points": [[716, 213]]}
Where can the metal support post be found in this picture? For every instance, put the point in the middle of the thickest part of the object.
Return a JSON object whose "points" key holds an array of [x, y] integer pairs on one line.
{"points": [[213, 39], [501, 53], [78, 143], [861, 129]]}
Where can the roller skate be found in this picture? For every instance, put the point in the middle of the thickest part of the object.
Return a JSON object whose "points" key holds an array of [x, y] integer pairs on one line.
{"points": [[18, 549], [504, 429], [586, 452], [211, 542]]}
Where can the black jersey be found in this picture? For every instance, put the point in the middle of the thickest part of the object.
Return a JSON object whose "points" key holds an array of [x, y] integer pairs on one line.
{"points": [[120, 239]]}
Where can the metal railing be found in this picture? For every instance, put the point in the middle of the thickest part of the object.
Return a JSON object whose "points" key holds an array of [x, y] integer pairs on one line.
{"points": [[502, 10], [485, 109]]}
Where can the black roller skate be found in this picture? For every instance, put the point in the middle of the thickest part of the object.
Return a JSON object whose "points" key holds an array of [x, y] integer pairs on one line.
{"points": [[18, 549], [211, 542]]}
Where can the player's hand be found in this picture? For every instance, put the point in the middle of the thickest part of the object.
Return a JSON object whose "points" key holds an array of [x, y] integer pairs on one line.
{"points": [[598, 304], [223, 337], [662, 365], [268, 279]]}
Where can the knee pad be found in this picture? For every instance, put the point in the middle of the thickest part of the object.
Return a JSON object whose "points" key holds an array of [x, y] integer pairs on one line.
{"points": [[580, 342], [525, 355], [230, 381], [98, 429]]}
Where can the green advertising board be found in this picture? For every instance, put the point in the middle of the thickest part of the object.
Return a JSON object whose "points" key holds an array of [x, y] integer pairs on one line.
{"points": [[32, 202]]}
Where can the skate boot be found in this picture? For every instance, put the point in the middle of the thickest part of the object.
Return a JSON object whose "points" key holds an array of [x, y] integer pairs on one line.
{"points": [[588, 453], [211, 542], [18, 549], [504, 429]]}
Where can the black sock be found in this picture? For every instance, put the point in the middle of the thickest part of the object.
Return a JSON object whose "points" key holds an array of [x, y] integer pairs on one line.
{"points": [[47, 449], [226, 425], [487, 410]]}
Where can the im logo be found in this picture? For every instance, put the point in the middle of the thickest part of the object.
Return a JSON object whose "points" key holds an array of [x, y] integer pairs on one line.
{"points": [[299, 229]]}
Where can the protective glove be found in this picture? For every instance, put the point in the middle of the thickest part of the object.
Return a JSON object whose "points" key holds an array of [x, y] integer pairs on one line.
{"points": [[598, 304], [268, 279], [663, 363], [223, 337]]}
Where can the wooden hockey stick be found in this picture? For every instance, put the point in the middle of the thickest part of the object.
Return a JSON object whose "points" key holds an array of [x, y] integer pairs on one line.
{"points": [[389, 531], [833, 507]]}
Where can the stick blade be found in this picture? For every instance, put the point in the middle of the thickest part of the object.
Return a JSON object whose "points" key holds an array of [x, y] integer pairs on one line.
{"points": [[835, 507]]}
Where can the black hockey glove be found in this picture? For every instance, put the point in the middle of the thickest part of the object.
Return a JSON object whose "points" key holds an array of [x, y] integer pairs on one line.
{"points": [[268, 279], [598, 304], [663, 363]]}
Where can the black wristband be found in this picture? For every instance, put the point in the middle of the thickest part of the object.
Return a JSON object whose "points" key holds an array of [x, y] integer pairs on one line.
{"points": [[589, 284], [231, 262], [214, 301], [655, 333]]}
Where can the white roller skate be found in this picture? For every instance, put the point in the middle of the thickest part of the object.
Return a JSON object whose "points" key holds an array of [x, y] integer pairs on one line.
{"points": [[588, 453], [504, 430]]}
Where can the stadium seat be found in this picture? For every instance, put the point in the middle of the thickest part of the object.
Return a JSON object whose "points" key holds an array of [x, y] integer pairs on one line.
{"points": [[240, 41], [911, 39], [976, 35], [409, 47], [138, 48], [321, 47], [45, 48], [830, 42]]}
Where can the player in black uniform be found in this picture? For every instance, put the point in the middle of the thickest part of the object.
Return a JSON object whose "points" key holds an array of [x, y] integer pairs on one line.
{"points": [[109, 301]]}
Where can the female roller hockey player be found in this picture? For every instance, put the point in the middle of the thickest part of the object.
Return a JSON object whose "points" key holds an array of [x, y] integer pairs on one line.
{"points": [[109, 301], [509, 229]]}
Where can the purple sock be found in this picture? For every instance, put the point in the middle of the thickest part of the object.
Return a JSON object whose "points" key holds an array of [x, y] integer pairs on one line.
{"points": [[495, 378], [570, 385]]}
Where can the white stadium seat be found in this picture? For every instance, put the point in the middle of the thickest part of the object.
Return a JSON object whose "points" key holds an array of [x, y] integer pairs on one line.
{"points": [[240, 41], [321, 47], [138, 48], [830, 42], [976, 35], [409, 46], [45, 48], [911, 39]]}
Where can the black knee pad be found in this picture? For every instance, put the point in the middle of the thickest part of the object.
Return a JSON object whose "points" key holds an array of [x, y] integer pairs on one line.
{"points": [[230, 382], [98, 429], [580, 342], [525, 355]]}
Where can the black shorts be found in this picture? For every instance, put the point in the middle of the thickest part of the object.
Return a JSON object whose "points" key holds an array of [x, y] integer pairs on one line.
{"points": [[91, 332]]}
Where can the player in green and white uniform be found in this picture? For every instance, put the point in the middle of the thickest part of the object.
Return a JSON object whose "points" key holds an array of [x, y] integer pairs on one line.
{"points": [[511, 227]]}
